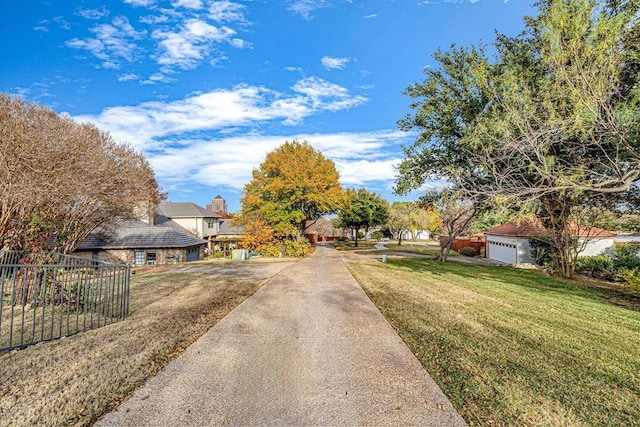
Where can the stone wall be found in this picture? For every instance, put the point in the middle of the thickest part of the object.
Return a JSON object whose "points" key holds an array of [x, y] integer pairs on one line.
{"points": [[163, 256]]}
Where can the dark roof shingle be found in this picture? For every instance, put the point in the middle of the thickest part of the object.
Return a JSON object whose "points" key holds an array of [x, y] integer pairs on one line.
{"points": [[184, 210], [135, 234]]}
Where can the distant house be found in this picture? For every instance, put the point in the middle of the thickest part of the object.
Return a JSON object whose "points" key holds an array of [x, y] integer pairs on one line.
{"points": [[191, 217], [420, 235], [509, 243], [172, 232], [228, 231], [138, 243]]}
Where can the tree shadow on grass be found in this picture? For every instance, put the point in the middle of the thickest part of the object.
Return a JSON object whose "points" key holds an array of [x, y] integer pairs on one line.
{"points": [[532, 279]]}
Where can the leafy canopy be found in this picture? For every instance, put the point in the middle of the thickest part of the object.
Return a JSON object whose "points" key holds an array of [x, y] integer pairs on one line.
{"points": [[293, 187], [363, 210], [551, 123]]}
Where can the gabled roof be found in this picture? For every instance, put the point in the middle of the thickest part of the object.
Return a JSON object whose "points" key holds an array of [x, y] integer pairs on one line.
{"points": [[135, 234], [184, 210], [526, 227], [531, 226], [228, 229]]}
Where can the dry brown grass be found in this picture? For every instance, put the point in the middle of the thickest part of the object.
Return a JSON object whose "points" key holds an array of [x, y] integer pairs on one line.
{"points": [[75, 380]]}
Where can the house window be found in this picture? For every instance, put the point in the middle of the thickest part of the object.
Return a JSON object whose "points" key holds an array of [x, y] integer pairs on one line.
{"points": [[151, 258], [211, 223], [138, 258]]}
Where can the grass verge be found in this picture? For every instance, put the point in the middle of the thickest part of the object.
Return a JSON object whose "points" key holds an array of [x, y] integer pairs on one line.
{"points": [[75, 380], [349, 245], [513, 347], [429, 248]]}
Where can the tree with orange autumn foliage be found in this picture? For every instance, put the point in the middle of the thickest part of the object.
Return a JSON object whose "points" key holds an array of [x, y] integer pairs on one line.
{"points": [[291, 189]]}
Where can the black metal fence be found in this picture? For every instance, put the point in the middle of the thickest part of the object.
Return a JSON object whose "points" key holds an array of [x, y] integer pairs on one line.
{"points": [[61, 297]]}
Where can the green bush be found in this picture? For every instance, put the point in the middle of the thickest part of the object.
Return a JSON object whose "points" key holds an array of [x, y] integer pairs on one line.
{"points": [[468, 251], [272, 249], [625, 255], [594, 263], [629, 278], [540, 251], [289, 248], [296, 249], [377, 235]]}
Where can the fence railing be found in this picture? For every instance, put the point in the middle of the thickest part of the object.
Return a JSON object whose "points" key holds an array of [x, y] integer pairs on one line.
{"points": [[64, 296]]}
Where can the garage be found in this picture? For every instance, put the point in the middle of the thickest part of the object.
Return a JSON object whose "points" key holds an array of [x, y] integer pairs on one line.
{"points": [[193, 254], [503, 252]]}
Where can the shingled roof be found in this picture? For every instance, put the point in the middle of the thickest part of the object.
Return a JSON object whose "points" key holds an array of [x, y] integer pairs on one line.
{"points": [[228, 229], [531, 226], [184, 210], [135, 234]]}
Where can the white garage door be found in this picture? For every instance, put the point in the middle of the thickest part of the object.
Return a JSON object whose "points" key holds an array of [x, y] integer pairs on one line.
{"points": [[504, 252]]}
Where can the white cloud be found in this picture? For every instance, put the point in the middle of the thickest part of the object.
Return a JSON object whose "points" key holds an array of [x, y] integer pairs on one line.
{"points": [[359, 172], [128, 77], [183, 36], [226, 11], [373, 15], [228, 162], [325, 95], [158, 78], [305, 8], [189, 4], [41, 28], [193, 43], [334, 63], [140, 3], [112, 44], [62, 22], [94, 13], [146, 125]]}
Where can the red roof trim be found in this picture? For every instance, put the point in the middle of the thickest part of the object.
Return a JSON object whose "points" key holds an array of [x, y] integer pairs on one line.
{"points": [[532, 226]]}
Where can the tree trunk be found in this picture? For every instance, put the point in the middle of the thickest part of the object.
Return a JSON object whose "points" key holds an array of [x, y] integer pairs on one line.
{"points": [[355, 233], [444, 250], [555, 217], [400, 239]]}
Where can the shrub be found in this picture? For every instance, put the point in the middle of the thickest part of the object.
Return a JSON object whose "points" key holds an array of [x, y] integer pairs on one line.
{"points": [[629, 278], [468, 251], [272, 249], [540, 251], [377, 235], [626, 256], [594, 263], [296, 249], [289, 248]]}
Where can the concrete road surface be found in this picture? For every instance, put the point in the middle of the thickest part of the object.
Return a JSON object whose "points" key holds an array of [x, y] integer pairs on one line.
{"points": [[309, 348]]}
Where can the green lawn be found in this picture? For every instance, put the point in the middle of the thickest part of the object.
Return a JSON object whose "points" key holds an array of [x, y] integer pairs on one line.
{"points": [[349, 245], [513, 347], [429, 247]]}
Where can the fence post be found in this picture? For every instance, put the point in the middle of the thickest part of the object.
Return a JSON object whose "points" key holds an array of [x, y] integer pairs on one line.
{"points": [[69, 292]]}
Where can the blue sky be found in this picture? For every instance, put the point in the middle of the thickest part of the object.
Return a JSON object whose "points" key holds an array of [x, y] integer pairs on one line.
{"points": [[207, 88]]}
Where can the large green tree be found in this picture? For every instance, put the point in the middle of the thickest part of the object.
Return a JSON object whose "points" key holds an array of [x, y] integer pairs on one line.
{"points": [[362, 210], [413, 218], [291, 189], [553, 124]]}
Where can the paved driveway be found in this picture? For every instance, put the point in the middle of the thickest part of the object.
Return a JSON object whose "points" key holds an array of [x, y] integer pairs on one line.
{"points": [[309, 348]]}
